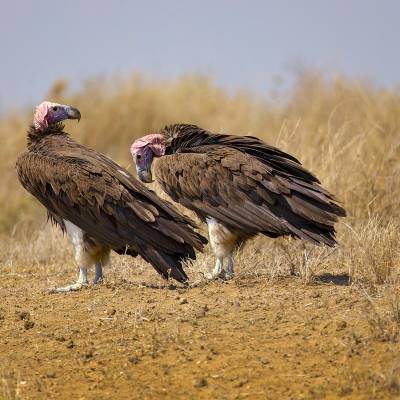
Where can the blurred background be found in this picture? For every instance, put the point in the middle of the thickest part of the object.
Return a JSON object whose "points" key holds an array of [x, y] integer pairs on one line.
{"points": [[254, 45], [319, 79]]}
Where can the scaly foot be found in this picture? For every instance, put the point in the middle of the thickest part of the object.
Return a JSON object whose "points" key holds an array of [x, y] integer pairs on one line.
{"points": [[98, 276], [69, 288], [82, 282], [226, 275]]}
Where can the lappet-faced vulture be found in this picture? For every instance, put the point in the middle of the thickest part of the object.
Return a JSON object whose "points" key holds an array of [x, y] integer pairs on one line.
{"points": [[99, 204], [239, 185]]}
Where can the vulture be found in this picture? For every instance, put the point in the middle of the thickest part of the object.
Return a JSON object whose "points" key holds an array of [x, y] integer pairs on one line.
{"points": [[99, 204], [239, 186]]}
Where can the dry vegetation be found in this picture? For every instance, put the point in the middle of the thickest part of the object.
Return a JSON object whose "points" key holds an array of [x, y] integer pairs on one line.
{"points": [[346, 132]]}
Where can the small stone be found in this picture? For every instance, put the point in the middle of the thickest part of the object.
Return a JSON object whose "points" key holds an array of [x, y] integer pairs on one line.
{"points": [[60, 339], [111, 312], [28, 324], [341, 325], [240, 383], [134, 360], [88, 356], [183, 301], [70, 344], [200, 383], [23, 315], [51, 374]]}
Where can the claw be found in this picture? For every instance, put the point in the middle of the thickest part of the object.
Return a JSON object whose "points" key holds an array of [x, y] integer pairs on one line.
{"points": [[82, 282], [210, 276], [223, 275], [220, 273], [226, 275], [74, 287]]}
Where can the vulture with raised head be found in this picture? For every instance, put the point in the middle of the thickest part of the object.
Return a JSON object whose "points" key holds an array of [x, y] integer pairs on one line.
{"points": [[99, 204], [239, 186]]}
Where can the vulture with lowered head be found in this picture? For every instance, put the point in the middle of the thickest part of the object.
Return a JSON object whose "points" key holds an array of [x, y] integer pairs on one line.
{"points": [[239, 186], [99, 204]]}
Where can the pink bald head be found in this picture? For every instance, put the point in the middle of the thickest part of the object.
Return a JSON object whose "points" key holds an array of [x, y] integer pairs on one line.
{"points": [[39, 119], [154, 141], [143, 150], [48, 113]]}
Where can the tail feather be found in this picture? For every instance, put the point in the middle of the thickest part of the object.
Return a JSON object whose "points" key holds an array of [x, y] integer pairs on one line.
{"points": [[167, 265]]}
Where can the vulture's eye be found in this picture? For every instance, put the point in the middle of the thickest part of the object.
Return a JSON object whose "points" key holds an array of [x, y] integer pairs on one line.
{"points": [[55, 108], [138, 156]]}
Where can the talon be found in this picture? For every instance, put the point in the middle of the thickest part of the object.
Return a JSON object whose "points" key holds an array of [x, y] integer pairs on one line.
{"points": [[82, 282], [210, 276], [226, 276], [220, 275], [69, 288]]}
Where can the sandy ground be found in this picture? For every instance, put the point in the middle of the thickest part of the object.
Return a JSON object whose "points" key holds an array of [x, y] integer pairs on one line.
{"points": [[247, 338]]}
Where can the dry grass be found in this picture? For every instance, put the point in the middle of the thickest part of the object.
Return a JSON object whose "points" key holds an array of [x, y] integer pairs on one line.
{"points": [[346, 132], [383, 315], [391, 380]]}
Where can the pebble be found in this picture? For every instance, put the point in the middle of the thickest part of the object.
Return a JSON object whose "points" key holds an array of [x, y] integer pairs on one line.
{"points": [[200, 383]]}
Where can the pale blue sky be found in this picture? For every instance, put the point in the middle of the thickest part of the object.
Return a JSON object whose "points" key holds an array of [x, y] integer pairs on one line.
{"points": [[238, 43]]}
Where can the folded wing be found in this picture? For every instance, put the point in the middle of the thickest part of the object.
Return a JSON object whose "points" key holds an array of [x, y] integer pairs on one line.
{"points": [[249, 187], [103, 199]]}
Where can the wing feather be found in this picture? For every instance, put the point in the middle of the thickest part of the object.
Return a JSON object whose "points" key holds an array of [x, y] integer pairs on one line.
{"points": [[248, 195], [104, 200]]}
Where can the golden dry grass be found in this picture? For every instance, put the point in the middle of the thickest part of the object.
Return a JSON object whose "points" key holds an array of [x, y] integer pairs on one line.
{"points": [[346, 132]]}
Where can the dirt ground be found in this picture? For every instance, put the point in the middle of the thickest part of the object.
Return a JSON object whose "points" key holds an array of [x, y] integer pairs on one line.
{"points": [[247, 338]]}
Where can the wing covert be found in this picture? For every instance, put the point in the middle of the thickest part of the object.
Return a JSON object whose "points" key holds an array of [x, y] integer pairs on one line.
{"points": [[246, 194]]}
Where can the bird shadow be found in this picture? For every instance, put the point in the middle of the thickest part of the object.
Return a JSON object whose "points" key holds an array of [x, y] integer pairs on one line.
{"points": [[326, 278], [168, 285], [338, 280]]}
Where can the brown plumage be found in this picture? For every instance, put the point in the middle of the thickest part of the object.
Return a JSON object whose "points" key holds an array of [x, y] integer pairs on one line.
{"points": [[240, 186], [84, 189]]}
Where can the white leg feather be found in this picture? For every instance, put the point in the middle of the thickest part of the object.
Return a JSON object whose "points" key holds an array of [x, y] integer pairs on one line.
{"points": [[223, 242], [87, 252]]}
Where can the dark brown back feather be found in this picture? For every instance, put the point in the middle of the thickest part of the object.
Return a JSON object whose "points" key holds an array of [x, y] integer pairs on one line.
{"points": [[184, 138], [246, 184]]}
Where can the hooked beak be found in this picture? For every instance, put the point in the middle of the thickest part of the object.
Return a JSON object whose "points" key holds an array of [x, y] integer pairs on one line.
{"points": [[144, 174], [143, 161], [73, 113]]}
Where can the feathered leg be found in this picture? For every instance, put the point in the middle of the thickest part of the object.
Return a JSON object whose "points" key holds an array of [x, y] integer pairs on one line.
{"points": [[87, 252], [222, 242]]}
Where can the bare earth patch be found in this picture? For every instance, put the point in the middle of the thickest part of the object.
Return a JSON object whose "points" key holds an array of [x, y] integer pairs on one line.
{"points": [[247, 338]]}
